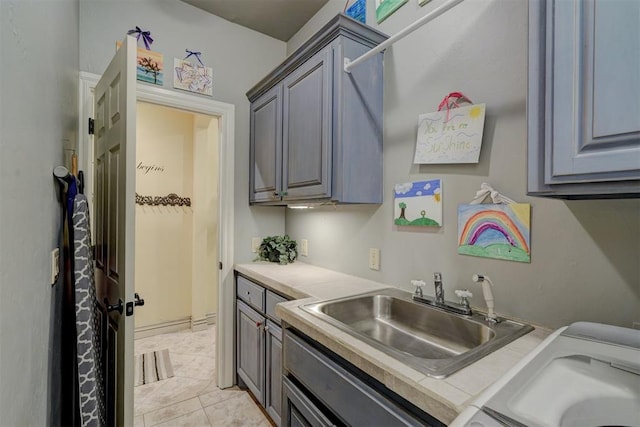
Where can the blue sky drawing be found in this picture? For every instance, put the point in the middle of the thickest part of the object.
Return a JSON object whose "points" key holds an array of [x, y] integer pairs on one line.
{"points": [[416, 189]]}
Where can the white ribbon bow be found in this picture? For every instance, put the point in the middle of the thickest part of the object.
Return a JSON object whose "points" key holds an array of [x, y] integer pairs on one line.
{"points": [[487, 190]]}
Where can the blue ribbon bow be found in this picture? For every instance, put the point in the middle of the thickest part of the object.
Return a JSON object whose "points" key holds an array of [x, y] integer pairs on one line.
{"points": [[196, 54], [146, 36]]}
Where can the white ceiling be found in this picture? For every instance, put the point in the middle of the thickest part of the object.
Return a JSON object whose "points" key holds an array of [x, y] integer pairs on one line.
{"points": [[280, 19]]}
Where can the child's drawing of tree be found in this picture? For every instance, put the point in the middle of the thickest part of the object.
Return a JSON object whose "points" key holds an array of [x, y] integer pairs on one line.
{"points": [[150, 67]]}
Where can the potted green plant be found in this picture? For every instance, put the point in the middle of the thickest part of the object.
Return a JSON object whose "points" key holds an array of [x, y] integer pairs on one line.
{"points": [[280, 249]]}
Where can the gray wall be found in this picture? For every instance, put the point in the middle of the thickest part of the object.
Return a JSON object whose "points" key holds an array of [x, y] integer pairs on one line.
{"points": [[585, 254], [239, 57], [38, 117]]}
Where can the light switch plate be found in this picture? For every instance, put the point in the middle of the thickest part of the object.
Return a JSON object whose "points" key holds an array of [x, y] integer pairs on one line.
{"points": [[304, 247], [374, 258], [255, 244]]}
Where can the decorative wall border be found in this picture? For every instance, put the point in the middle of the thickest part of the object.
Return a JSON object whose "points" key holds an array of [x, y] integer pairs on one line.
{"points": [[170, 199]]}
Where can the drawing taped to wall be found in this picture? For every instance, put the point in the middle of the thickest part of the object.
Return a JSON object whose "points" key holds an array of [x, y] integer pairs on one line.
{"points": [[495, 231], [450, 136], [418, 203], [192, 77], [384, 8]]}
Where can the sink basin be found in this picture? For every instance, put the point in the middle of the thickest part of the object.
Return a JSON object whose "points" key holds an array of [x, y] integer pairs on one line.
{"points": [[429, 339]]}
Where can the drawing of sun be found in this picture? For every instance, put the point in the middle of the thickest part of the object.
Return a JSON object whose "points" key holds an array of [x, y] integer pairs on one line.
{"points": [[475, 112]]}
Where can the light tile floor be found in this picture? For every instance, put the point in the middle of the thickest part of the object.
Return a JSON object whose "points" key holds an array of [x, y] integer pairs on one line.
{"points": [[191, 397]]}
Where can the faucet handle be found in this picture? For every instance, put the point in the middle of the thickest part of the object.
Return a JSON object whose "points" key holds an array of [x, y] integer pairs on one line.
{"points": [[460, 293], [419, 284], [464, 296]]}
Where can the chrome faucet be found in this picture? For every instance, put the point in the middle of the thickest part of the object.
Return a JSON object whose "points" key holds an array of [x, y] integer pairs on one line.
{"points": [[439, 301], [437, 282]]}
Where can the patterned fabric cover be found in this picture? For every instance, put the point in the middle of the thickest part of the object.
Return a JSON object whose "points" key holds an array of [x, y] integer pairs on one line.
{"points": [[90, 381]]}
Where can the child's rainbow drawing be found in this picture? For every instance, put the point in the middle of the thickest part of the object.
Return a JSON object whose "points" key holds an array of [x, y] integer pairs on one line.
{"points": [[495, 231]]}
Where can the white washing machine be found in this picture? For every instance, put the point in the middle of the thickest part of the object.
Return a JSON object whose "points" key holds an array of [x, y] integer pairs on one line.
{"points": [[584, 375]]}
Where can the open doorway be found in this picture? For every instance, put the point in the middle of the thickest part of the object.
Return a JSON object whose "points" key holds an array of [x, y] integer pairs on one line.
{"points": [[223, 266], [176, 219]]}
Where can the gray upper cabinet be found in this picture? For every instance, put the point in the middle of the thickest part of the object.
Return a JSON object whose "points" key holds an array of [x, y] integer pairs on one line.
{"points": [[266, 142], [583, 104], [316, 131], [306, 146]]}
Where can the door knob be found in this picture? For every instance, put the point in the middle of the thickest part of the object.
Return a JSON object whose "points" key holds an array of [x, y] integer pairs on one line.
{"points": [[138, 300], [115, 307]]}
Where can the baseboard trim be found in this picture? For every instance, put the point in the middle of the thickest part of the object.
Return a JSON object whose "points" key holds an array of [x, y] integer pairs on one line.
{"points": [[162, 328], [212, 318], [203, 322]]}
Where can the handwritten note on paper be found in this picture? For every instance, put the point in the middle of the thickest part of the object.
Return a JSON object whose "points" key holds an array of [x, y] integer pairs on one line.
{"points": [[453, 136]]}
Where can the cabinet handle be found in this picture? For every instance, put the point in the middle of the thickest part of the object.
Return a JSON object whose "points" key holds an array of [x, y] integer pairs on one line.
{"points": [[276, 194], [258, 324], [266, 328], [284, 193]]}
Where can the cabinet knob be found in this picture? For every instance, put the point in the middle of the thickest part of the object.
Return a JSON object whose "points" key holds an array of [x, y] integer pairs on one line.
{"points": [[258, 324]]}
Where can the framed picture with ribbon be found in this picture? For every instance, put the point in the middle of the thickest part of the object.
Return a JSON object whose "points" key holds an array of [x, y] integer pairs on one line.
{"points": [[192, 75], [453, 134], [499, 230], [150, 64]]}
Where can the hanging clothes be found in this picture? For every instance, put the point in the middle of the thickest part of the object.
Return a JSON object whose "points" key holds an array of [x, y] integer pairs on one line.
{"points": [[64, 392], [89, 369]]}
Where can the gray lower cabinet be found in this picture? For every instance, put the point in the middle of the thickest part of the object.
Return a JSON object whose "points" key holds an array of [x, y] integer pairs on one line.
{"points": [[316, 131], [321, 389], [583, 105], [250, 349], [273, 351], [299, 410], [259, 344]]}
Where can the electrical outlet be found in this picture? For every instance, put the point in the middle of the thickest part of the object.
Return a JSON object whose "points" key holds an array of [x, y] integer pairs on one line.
{"points": [[304, 247], [55, 265], [374, 258], [255, 244]]}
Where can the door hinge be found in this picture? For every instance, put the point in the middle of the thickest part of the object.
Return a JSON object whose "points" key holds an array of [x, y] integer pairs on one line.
{"points": [[220, 265], [91, 125]]}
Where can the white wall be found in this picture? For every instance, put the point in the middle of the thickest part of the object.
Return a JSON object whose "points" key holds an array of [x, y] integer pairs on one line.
{"points": [[239, 57], [38, 117], [584, 253]]}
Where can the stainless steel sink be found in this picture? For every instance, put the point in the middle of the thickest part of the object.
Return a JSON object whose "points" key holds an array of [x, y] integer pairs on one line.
{"points": [[431, 340]]}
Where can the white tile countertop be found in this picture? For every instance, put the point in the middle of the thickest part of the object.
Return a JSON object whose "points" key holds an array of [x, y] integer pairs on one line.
{"points": [[442, 398]]}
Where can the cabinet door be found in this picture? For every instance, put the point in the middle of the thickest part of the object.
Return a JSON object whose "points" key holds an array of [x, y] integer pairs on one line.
{"points": [[307, 120], [266, 147], [299, 410], [584, 112], [273, 349], [596, 83], [250, 349]]}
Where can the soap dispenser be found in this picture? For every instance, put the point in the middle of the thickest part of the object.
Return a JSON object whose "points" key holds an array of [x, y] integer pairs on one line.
{"points": [[488, 296]]}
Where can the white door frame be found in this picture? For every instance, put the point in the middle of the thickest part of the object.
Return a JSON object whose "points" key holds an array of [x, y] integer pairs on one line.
{"points": [[226, 144]]}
